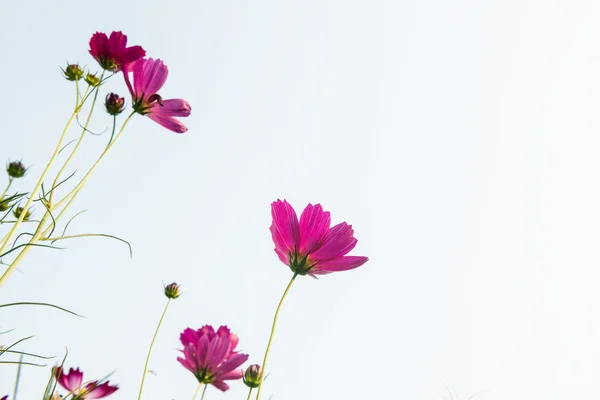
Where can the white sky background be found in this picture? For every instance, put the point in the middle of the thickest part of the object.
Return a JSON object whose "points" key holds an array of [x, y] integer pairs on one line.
{"points": [[459, 138]]}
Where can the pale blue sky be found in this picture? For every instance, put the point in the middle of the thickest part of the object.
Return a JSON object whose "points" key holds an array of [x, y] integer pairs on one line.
{"points": [[460, 139]]}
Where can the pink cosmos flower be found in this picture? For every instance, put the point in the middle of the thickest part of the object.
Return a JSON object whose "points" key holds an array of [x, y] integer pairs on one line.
{"points": [[211, 355], [4, 398], [149, 76], [112, 52], [311, 246], [73, 382]]}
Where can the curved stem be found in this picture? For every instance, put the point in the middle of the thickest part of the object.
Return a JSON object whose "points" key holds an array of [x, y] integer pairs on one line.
{"points": [[37, 187], [249, 394], [87, 123], [162, 317], [73, 193], [41, 230], [264, 363]]}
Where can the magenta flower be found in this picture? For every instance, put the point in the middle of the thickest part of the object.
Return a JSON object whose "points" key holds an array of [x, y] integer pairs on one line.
{"points": [[4, 398], [149, 76], [73, 382], [211, 356], [311, 246], [112, 52]]}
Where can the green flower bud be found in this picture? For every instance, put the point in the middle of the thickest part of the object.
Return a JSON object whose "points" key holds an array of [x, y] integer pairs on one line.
{"points": [[16, 169], [92, 79], [252, 376], [73, 72], [19, 210], [172, 290]]}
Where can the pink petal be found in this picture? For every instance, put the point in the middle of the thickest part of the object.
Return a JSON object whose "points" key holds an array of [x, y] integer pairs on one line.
{"points": [[131, 55], [100, 391], [222, 386], [284, 229], [314, 225], [207, 330], [202, 352], [188, 336], [172, 108], [232, 375], [338, 242], [116, 43], [170, 123], [98, 44], [188, 363], [339, 264], [72, 380], [233, 363], [149, 76], [218, 350]]}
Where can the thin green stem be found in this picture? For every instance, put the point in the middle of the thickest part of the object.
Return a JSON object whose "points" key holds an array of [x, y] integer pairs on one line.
{"points": [[264, 363], [249, 394], [85, 129], [10, 181], [42, 230], [32, 195], [18, 379], [73, 193], [198, 391], [162, 317]]}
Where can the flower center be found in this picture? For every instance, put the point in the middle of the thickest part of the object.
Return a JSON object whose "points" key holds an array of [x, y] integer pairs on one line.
{"points": [[143, 104], [299, 263]]}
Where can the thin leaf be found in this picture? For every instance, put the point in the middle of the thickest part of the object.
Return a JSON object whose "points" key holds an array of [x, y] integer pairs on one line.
{"points": [[31, 303]]}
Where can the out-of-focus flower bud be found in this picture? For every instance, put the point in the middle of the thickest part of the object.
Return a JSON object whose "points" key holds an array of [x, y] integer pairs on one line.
{"points": [[172, 290], [16, 169], [92, 79], [114, 104], [73, 72], [252, 376], [19, 210]]}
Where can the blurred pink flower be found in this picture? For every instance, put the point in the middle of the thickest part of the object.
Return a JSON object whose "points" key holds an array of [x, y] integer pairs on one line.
{"points": [[211, 355], [73, 382], [112, 52], [4, 398], [149, 76], [311, 246]]}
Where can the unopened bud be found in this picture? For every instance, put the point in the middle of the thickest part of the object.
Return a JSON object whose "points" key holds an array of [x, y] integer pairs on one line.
{"points": [[172, 290], [16, 169], [114, 104], [92, 79], [252, 376], [19, 210], [73, 72]]}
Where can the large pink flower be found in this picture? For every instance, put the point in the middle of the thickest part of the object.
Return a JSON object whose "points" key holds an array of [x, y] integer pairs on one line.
{"points": [[149, 76], [211, 355], [73, 382], [311, 246], [112, 52]]}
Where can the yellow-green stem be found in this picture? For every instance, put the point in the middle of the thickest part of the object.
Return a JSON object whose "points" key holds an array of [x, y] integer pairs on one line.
{"points": [[198, 391], [264, 363], [162, 317], [32, 195], [73, 193], [79, 141], [249, 394], [10, 180], [71, 197]]}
